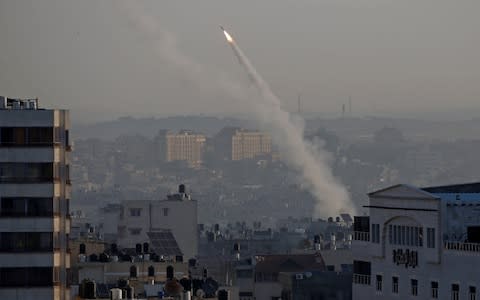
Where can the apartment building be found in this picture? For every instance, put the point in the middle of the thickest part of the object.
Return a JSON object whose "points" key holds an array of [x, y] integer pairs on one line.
{"points": [[34, 201], [185, 146]]}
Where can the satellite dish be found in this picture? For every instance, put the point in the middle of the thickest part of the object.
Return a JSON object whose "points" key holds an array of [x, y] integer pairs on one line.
{"points": [[308, 274], [200, 293]]}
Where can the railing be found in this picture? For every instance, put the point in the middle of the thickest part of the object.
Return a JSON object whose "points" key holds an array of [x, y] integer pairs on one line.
{"points": [[361, 236], [361, 279], [459, 246]]}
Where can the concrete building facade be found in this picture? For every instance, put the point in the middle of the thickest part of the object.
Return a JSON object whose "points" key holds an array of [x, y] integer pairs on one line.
{"points": [[34, 201], [177, 213], [419, 243], [185, 146], [250, 144]]}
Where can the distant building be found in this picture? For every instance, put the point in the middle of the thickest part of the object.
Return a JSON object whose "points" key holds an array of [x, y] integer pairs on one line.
{"points": [[141, 219], [185, 146], [233, 143], [250, 144], [418, 243], [34, 196]]}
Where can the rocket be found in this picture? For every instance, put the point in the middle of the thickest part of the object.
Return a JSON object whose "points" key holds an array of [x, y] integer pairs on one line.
{"points": [[235, 49]]}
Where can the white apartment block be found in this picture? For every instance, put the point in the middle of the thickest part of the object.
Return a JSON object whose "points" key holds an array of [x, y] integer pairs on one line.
{"points": [[34, 197], [419, 243], [176, 214]]}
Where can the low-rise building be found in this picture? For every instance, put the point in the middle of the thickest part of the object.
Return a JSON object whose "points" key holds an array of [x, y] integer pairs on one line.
{"points": [[142, 221]]}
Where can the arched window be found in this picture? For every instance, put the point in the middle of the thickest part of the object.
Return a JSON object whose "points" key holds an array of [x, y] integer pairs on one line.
{"points": [[151, 271], [170, 272], [83, 249]]}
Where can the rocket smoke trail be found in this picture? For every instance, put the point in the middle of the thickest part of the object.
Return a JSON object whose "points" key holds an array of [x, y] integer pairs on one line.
{"points": [[309, 160], [303, 156]]}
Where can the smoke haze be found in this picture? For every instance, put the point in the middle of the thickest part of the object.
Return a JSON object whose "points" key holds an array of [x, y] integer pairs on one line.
{"points": [[308, 159]]}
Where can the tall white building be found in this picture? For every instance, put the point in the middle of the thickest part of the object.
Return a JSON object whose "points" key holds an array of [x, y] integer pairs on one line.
{"points": [[34, 196], [419, 243], [177, 214]]}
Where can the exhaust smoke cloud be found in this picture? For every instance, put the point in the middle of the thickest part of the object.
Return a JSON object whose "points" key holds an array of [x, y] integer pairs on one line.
{"points": [[310, 160]]}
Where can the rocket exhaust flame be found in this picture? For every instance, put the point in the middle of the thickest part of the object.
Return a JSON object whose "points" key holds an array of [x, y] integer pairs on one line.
{"points": [[229, 38]]}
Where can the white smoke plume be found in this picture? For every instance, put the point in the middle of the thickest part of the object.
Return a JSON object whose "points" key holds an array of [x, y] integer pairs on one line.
{"points": [[308, 159]]}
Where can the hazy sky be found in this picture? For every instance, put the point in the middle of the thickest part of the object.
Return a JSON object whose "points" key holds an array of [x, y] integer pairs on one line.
{"points": [[397, 56]]}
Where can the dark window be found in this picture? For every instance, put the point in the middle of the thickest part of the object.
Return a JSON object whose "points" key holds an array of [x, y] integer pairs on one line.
{"points": [[26, 207], [135, 231], [28, 172], [434, 289], [361, 267], [376, 233], [414, 287], [472, 293], [455, 291], [133, 271], [379, 283], [430, 237], [395, 285], [21, 136], [361, 224], [135, 212], [405, 235], [40, 136], [165, 211], [26, 241], [151, 271], [19, 277]]}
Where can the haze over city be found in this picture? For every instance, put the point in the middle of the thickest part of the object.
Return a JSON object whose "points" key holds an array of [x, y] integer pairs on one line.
{"points": [[394, 58]]}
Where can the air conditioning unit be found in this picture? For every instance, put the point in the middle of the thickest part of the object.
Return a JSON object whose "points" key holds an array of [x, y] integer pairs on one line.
{"points": [[299, 276]]}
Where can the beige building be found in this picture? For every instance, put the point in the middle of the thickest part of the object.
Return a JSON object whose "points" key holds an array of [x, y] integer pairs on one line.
{"points": [[185, 146], [34, 197], [250, 144]]}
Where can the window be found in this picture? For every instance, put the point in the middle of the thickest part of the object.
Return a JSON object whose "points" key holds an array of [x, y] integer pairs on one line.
{"points": [[28, 172], [19, 277], [133, 271], [455, 291], [165, 211], [390, 234], [151, 271], [26, 241], [414, 284], [430, 237], [405, 235], [434, 289], [135, 231], [472, 293], [26, 207], [395, 285], [20, 136], [135, 212], [376, 233], [379, 283]]}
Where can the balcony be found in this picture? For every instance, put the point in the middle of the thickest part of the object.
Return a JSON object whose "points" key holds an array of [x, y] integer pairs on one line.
{"points": [[361, 236], [361, 279], [459, 246]]}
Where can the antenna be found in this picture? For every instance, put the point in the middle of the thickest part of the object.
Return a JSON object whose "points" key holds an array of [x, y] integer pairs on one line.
{"points": [[350, 106], [299, 104]]}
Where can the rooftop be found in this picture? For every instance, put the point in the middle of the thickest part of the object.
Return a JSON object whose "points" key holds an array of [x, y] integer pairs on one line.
{"points": [[18, 104]]}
